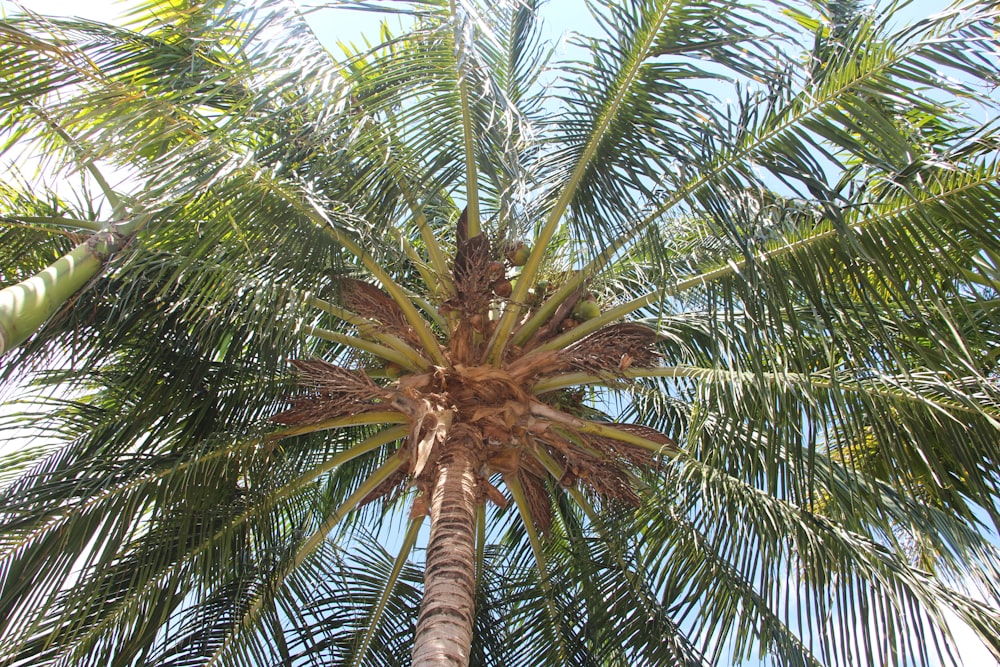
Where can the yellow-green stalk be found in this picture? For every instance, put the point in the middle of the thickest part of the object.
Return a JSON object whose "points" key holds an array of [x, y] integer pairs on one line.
{"points": [[26, 306]]}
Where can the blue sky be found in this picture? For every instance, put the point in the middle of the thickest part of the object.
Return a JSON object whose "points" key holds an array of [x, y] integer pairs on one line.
{"points": [[563, 15]]}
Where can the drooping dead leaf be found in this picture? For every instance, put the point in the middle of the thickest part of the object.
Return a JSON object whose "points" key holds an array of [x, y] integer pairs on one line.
{"points": [[419, 507], [527, 369], [372, 303], [430, 429], [537, 497], [613, 349], [388, 488], [493, 494], [504, 460], [475, 386], [331, 391]]}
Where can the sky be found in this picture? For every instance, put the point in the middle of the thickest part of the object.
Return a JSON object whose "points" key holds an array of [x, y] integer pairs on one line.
{"points": [[332, 25]]}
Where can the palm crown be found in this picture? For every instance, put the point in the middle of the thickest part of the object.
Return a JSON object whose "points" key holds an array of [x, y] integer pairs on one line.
{"points": [[686, 345]]}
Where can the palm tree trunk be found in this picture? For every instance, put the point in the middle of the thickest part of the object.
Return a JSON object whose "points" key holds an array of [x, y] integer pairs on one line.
{"points": [[27, 305], [444, 627]]}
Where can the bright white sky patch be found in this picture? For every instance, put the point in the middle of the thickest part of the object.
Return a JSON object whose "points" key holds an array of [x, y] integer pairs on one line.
{"points": [[968, 645], [99, 10]]}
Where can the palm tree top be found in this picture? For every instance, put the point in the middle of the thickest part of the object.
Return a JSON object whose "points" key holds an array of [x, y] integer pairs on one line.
{"points": [[684, 340]]}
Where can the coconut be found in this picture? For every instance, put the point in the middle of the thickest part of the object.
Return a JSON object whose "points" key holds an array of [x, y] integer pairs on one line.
{"points": [[518, 254], [586, 310], [495, 271], [503, 288]]}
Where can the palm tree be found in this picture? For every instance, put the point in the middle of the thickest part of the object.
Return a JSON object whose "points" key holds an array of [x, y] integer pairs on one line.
{"points": [[686, 345]]}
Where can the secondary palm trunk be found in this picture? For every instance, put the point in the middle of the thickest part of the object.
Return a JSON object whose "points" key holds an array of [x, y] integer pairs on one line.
{"points": [[444, 627], [26, 306]]}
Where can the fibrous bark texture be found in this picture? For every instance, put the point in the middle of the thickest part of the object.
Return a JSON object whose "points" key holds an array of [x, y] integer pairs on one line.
{"points": [[444, 627]]}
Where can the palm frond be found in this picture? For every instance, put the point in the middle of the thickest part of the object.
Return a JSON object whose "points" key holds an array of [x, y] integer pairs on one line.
{"points": [[742, 390]]}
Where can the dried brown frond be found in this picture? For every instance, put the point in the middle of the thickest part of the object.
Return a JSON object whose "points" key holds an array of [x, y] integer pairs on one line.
{"points": [[430, 428], [389, 488], [483, 386], [322, 376], [530, 368], [473, 274], [646, 432], [372, 303], [593, 468], [531, 464], [611, 483], [314, 409], [503, 458], [537, 498], [491, 493], [554, 324], [331, 391], [626, 451], [614, 349]]}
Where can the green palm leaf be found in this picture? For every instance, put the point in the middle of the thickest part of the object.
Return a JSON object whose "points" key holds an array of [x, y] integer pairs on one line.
{"points": [[686, 344]]}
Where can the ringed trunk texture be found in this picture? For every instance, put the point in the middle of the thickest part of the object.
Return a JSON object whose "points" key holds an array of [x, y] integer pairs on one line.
{"points": [[26, 306], [444, 627]]}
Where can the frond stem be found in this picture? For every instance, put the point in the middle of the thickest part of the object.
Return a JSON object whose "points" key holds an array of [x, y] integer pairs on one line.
{"points": [[530, 271], [517, 491], [409, 540], [117, 207], [370, 444], [549, 413], [468, 137], [309, 546], [362, 419], [37, 222], [413, 363], [419, 324]]}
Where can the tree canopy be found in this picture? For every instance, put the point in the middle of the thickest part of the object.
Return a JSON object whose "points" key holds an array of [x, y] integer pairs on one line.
{"points": [[686, 342]]}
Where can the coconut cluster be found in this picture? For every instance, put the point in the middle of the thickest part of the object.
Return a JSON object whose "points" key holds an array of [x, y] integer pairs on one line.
{"points": [[518, 435]]}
